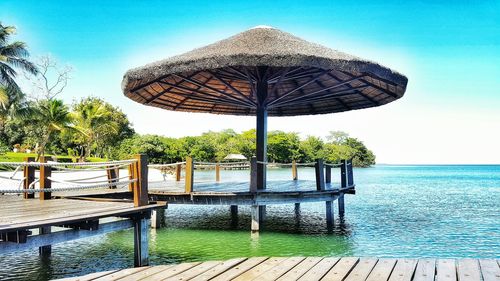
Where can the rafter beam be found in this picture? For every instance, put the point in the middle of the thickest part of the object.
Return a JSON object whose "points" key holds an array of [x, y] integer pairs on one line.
{"points": [[227, 84]]}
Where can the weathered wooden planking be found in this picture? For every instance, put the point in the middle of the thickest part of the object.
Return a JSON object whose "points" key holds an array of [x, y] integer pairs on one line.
{"points": [[83, 210], [145, 273], [404, 269], [341, 269], [490, 269], [362, 269], [468, 270], [120, 274], [88, 277], [425, 270], [194, 271], [171, 271], [279, 270], [319, 270], [299, 270], [382, 270], [446, 270], [255, 271], [239, 269], [218, 269]]}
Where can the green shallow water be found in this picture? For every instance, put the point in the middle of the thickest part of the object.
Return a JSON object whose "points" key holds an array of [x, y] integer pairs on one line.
{"points": [[398, 211]]}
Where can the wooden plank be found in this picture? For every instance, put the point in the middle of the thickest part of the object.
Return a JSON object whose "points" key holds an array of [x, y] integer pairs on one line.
{"points": [[239, 269], [490, 269], [426, 270], [341, 269], [121, 273], [259, 269], [141, 185], [404, 269], [218, 269], [170, 271], [75, 218], [300, 269], [279, 270], [320, 269], [468, 270], [87, 277], [446, 270], [195, 271], [362, 269], [145, 273], [382, 270]]}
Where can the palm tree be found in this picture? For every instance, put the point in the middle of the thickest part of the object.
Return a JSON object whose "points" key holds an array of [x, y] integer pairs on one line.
{"points": [[50, 116], [92, 121], [12, 55]]}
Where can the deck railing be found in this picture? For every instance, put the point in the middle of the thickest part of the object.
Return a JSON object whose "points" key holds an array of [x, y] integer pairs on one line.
{"points": [[43, 184]]}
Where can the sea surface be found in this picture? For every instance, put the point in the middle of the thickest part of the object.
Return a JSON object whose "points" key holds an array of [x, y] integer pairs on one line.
{"points": [[450, 211]]}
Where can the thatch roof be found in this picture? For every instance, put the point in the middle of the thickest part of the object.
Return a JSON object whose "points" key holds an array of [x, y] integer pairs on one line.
{"points": [[303, 78]]}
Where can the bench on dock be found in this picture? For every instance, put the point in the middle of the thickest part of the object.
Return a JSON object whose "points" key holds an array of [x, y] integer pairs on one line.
{"points": [[311, 269]]}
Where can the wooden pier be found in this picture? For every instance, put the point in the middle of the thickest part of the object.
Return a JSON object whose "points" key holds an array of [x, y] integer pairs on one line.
{"points": [[29, 223], [311, 269]]}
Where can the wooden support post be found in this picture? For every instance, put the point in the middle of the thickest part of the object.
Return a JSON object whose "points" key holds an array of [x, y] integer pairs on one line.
{"points": [[113, 175], [158, 218], [141, 255], [131, 176], [294, 170], [253, 174], [320, 175], [178, 169], [262, 213], [141, 185], [329, 213], [217, 172], [29, 177], [45, 173], [45, 251], [234, 210], [255, 218], [189, 175], [328, 174]]}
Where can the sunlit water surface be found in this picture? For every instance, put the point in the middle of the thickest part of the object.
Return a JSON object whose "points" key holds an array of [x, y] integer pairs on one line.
{"points": [[398, 211]]}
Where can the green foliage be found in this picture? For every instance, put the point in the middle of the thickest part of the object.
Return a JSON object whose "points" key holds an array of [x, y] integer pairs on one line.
{"points": [[283, 147]]}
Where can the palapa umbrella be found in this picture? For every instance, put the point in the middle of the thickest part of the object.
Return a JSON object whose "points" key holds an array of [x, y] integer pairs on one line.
{"points": [[264, 72]]}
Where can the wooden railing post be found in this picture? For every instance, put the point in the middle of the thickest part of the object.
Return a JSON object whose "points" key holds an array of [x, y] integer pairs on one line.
{"points": [[29, 177], [141, 185], [294, 170], [350, 175], [131, 176], [217, 172], [320, 175], [188, 178], [178, 169], [113, 175], [343, 174], [253, 174], [45, 173], [328, 174]]}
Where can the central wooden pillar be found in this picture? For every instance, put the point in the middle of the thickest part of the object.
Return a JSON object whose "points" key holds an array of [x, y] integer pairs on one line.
{"points": [[261, 130]]}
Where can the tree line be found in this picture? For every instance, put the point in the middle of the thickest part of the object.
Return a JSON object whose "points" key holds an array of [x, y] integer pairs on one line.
{"points": [[44, 124]]}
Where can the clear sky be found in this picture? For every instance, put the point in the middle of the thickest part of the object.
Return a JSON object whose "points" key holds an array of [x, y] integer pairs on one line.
{"points": [[450, 51]]}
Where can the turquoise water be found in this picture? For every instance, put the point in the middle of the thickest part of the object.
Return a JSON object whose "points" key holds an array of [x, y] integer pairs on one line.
{"points": [[398, 211]]}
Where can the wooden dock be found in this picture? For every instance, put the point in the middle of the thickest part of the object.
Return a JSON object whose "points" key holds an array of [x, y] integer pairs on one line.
{"points": [[313, 268]]}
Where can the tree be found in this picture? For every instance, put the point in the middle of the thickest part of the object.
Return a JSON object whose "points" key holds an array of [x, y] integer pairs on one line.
{"points": [[337, 137], [99, 126], [362, 157], [49, 116], [311, 149], [283, 147], [12, 55], [51, 78]]}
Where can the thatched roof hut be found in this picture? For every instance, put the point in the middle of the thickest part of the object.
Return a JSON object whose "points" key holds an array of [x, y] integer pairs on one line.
{"points": [[264, 71]]}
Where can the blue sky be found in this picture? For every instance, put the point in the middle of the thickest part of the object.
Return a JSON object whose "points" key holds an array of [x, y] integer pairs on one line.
{"points": [[450, 52]]}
